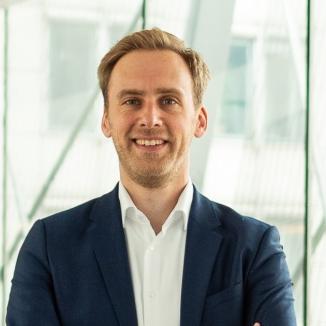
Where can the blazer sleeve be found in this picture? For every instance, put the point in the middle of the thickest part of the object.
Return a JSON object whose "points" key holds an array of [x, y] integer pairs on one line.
{"points": [[32, 299], [269, 287]]}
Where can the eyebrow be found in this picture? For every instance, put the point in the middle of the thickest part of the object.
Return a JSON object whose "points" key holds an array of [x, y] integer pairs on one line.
{"points": [[127, 92], [163, 90], [160, 90]]}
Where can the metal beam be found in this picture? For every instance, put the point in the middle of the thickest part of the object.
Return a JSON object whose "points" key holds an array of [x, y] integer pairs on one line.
{"points": [[68, 144], [315, 240], [58, 163], [214, 16], [144, 14], [5, 158], [307, 248], [321, 229]]}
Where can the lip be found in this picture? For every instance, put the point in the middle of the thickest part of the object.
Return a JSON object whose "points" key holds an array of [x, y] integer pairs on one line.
{"points": [[149, 138], [150, 148]]}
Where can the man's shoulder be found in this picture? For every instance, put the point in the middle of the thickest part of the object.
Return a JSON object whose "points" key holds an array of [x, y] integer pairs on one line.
{"points": [[78, 217], [243, 232], [73, 214], [232, 221]]}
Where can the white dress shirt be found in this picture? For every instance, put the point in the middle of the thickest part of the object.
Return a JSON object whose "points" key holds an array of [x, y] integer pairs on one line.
{"points": [[156, 261]]}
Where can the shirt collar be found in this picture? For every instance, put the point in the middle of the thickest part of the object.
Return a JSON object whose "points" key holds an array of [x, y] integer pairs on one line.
{"points": [[183, 205]]}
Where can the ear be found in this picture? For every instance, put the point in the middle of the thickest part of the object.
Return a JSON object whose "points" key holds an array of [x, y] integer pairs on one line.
{"points": [[105, 125], [201, 122]]}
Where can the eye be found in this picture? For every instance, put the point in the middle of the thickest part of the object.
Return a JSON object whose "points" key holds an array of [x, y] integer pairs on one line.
{"points": [[168, 101], [132, 101]]}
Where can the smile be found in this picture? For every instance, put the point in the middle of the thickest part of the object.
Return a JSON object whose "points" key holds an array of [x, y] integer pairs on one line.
{"points": [[149, 142]]}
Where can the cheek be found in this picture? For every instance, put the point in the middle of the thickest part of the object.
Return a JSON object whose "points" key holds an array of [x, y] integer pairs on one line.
{"points": [[184, 134], [121, 124]]}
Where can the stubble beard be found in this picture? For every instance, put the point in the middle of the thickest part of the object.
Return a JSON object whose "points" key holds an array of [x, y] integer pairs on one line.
{"points": [[151, 171]]}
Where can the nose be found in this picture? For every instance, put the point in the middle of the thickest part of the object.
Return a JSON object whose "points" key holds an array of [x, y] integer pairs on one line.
{"points": [[150, 115]]}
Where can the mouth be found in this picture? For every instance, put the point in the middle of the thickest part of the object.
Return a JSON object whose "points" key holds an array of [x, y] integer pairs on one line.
{"points": [[150, 144]]}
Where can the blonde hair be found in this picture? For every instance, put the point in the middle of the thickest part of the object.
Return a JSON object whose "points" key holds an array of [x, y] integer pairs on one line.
{"points": [[155, 39]]}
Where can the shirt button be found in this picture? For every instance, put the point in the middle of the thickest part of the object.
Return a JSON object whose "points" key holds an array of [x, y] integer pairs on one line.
{"points": [[152, 295], [151, 248]]}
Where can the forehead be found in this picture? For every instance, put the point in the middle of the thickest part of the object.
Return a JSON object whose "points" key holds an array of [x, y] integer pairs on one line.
{"points": [[149, 68]]}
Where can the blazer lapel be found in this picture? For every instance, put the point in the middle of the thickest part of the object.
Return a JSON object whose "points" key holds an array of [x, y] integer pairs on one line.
{"points": [[202, 246], [108, 241]]}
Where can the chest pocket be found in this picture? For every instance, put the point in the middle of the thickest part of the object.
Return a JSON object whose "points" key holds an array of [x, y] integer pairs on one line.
{"points": [[224, 308]]}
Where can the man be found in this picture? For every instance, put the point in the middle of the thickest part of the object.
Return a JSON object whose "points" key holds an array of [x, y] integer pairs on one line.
{"points": [[154, 251]]}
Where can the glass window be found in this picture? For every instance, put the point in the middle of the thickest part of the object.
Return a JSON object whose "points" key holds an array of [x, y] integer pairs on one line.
{"points": [[72, 71], [237, 88], [283, 117]]}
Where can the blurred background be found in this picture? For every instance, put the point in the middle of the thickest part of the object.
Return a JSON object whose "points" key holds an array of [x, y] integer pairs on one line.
{"points": [[266, 143]]}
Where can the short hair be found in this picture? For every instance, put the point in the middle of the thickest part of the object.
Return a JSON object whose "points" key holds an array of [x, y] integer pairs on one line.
{"points": [[155, 39]]}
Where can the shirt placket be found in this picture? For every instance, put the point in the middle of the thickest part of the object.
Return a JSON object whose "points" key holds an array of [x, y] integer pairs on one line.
{"points": [[151, 280]]}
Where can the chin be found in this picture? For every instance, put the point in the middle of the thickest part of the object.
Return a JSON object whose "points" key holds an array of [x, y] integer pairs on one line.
{"points": [[151, 183], [151, 178]]}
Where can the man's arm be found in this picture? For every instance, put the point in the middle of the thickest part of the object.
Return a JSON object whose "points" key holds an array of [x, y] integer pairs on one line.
{"points": [[268, 287], [31, 300]]}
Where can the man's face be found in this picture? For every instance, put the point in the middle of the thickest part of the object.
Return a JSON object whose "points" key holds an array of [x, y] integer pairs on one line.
{"points": [[151, 116]]}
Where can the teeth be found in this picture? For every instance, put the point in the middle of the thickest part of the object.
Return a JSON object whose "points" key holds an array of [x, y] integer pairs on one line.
{"points": [[149, 142]]}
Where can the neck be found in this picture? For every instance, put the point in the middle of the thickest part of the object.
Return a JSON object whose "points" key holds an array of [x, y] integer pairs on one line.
{"points": [[155, 203]]}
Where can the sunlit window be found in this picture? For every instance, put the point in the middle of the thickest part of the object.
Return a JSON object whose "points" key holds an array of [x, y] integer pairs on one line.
{"points": [[72, 70], [235, 111]]}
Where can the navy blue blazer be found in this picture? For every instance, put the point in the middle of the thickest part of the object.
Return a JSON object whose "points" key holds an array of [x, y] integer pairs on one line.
{"points": [[73, 270]]}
